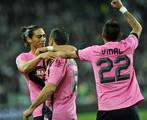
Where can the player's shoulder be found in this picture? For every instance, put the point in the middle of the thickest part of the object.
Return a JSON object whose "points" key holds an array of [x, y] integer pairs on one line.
{"points": [[63, 61], [131, 39], [92, 48], [88, 52], [132, 36], [131, 42], [60, 61], [71, 61], [24, 55]]}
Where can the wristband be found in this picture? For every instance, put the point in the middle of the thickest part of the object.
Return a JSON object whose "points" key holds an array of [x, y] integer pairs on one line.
{"points": [[123, 9], [50, 48]]}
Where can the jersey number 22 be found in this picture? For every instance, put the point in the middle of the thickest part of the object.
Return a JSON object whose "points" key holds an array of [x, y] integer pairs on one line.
{"points": [[109, 66]]}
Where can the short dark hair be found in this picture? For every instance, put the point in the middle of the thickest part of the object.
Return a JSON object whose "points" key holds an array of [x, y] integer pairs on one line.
{"points": [[111, 30], [27, 31], [59, 36]]}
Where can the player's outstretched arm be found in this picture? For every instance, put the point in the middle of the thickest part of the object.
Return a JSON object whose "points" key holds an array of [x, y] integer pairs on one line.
{"points": [[64, 51], [56, 48], [64, 48], [132, 21], [67, 54]]}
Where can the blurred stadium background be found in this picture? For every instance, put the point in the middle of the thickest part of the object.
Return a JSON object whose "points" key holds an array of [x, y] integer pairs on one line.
{"points": [[83, 19]]}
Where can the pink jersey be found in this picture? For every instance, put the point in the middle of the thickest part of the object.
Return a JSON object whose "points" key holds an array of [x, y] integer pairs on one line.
{"points": [[34, 88], [63, 73], [115, 78]]}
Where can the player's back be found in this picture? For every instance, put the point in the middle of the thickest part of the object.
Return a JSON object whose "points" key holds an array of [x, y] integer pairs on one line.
{"points": [[65, 96], [116, 82], [63, 73]]}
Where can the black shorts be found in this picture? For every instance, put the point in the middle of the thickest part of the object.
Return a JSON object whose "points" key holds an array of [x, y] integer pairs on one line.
{"points": [[39, 118], [42, 117], [129, 113]]}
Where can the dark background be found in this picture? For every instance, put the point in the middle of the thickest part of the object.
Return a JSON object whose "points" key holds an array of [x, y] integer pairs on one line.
{"points": [[83, 19]]}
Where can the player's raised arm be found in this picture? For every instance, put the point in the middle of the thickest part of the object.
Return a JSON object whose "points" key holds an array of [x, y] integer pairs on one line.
{"points": [[132, 21]]}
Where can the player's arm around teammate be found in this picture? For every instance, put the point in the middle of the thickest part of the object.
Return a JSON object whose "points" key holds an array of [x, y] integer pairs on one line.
{"points": [[27, 66]]}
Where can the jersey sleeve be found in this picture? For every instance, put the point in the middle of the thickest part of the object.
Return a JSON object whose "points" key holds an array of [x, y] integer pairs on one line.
{"points": [[21, 58], [132, 40], [86, 54], [56, 71]]}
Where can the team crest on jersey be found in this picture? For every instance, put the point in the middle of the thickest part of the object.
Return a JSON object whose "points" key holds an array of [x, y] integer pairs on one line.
{"points": [[40, 73], [37, 73]]}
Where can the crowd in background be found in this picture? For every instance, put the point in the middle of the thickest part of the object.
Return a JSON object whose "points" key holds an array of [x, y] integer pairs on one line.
{"points": [[83, 19]]}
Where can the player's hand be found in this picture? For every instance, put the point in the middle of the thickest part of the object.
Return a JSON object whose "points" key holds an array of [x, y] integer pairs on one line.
{"points": [[116, 4], [27, 114], [40, 50], [48, 55]]}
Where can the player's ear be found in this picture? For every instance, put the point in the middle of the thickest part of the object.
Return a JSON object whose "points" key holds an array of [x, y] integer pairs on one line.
{"points": [[100, 36], [120, 34], [29, 40], [103, 37], [50, 42]]}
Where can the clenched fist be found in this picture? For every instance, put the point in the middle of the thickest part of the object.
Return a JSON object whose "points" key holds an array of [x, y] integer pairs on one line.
{"points": [[116, 4]]}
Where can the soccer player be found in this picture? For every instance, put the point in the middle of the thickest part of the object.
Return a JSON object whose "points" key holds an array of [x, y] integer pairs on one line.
{"points": [[61, 83], [117, 88], [32, 67]]}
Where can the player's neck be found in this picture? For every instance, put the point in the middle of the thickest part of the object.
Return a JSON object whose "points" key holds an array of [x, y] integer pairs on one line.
{"points": [[33, 50]]}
